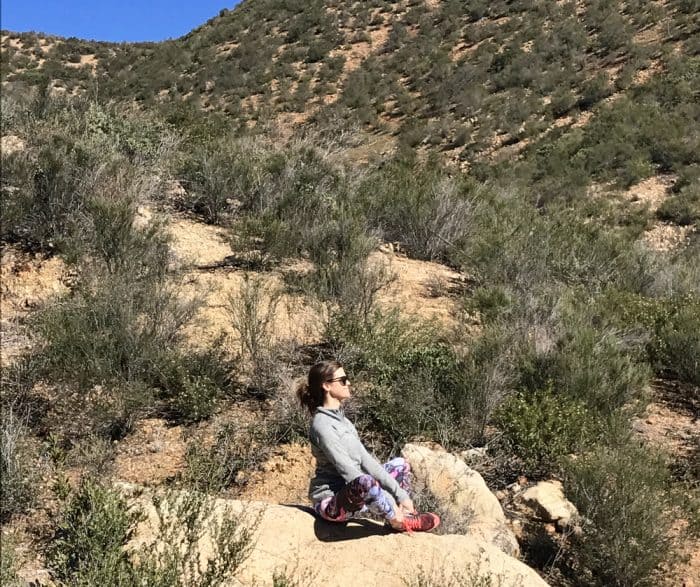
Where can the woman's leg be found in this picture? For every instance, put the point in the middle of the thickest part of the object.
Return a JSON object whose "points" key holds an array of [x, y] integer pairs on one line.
{"points": [[400, 469], [365, 491]]}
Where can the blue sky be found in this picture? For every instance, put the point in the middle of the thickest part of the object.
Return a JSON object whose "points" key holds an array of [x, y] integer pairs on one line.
{"points": [[110, 20]]}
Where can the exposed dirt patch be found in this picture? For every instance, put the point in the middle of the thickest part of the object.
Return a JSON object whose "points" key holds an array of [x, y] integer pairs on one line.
{"points": [[671, 422], [283, 478], [26, 282], [415, 288], [85, 61], [665, 236], [358, 52], [651, 192], [677, 433], [11, 144], [195, 243], [293, 318], [152, 454], [672, 419]]}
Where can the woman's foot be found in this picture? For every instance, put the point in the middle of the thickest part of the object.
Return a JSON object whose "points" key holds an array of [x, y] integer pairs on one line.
{"points": [[416, 523]]}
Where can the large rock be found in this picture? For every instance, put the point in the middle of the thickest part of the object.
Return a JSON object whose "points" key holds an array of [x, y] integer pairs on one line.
{"points": [[463, 494], [548, 501], [290, 539]]}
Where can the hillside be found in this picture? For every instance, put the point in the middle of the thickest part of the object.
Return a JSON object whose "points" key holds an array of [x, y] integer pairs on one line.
{"points": [[466, 78], [488, 212]]}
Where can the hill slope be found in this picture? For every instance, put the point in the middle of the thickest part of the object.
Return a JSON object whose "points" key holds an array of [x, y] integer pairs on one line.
{"points": [[466, 77]]}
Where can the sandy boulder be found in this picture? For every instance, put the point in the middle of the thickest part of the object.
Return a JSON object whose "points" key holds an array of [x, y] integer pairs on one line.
{"points": [[463, 493], [291, 540], [548, 501]]}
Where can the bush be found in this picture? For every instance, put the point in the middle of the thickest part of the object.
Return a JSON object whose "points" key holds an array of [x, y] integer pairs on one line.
{"points": [[252, 311], [288, 200], [110, 329], [599, 368], [18, 475], [671, 325], [682, 208], [212, 175], [75, 159], [87, 548], [235, 450], [543, 426], [96, 526], [417, 385], [8, 563], [421, 207], [678, 342], [193, 382], [621, 493], [344, 276]]}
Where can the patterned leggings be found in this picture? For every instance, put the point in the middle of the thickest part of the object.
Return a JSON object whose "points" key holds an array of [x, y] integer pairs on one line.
{"points": [[365, 494]]}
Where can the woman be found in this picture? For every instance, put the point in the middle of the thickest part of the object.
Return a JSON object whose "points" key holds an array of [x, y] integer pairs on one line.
{"points": [[348, 478]]}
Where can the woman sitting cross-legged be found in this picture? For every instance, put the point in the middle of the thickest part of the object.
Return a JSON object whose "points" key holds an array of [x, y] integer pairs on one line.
{"points": [[349, 479]]}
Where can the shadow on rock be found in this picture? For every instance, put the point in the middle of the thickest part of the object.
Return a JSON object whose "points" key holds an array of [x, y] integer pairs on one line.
{"points": [[340, 531]]}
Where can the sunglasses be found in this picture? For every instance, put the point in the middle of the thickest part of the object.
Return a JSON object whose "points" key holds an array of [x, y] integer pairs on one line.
{"points": [[343, 380]]}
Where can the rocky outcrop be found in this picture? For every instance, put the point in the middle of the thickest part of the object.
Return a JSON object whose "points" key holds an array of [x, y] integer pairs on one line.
{"points": [[548, 502], [462, 493], [291, 540]]}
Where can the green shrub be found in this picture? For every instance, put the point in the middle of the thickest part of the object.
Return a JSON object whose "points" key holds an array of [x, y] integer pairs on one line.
{"points": [[344, 276], [110, 329], [599, 368], [76, 157], [252, 311], [193, 382], [212, 175], [417, 385], [8, 563], [87, 548], [96, 525], [419, 206], [682, 208], [19, 477], [678, 343], [287, 200], [44, 196], [543, 426], [621, 493], [235, 450], [671, 325]]}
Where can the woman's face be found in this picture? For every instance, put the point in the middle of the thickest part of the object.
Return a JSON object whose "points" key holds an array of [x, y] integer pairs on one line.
{"points": [[338, 387]]}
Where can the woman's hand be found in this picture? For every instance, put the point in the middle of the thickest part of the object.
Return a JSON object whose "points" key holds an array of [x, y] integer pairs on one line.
{"points": [[407, 507]]}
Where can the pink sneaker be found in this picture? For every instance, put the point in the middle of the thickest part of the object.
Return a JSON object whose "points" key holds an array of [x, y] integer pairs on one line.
{"points": [[420, 522]]}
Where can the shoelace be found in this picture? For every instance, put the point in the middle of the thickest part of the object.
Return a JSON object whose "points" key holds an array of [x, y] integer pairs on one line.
{"points": [[409, 524]]}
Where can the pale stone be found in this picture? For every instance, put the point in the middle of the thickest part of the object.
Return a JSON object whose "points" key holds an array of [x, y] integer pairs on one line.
{"points": [[463, 493], [548, 501], [291, 539]]}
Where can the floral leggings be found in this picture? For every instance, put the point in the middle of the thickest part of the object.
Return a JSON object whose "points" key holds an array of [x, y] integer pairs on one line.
{"points": [[365, 494]]}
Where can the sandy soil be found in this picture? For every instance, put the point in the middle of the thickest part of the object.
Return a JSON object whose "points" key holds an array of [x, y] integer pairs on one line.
{"points": [[664, 236]]}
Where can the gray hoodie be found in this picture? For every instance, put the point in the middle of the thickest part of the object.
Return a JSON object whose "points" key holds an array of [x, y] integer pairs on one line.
{"points": [[341, 457]]}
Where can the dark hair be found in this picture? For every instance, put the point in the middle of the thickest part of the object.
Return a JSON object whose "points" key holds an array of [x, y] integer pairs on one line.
{"points": [[310, 392]]}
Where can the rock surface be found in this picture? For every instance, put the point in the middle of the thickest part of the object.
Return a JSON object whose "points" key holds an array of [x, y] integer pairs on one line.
{"points": [[290, 540], [548, 501], [463, 493]]}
